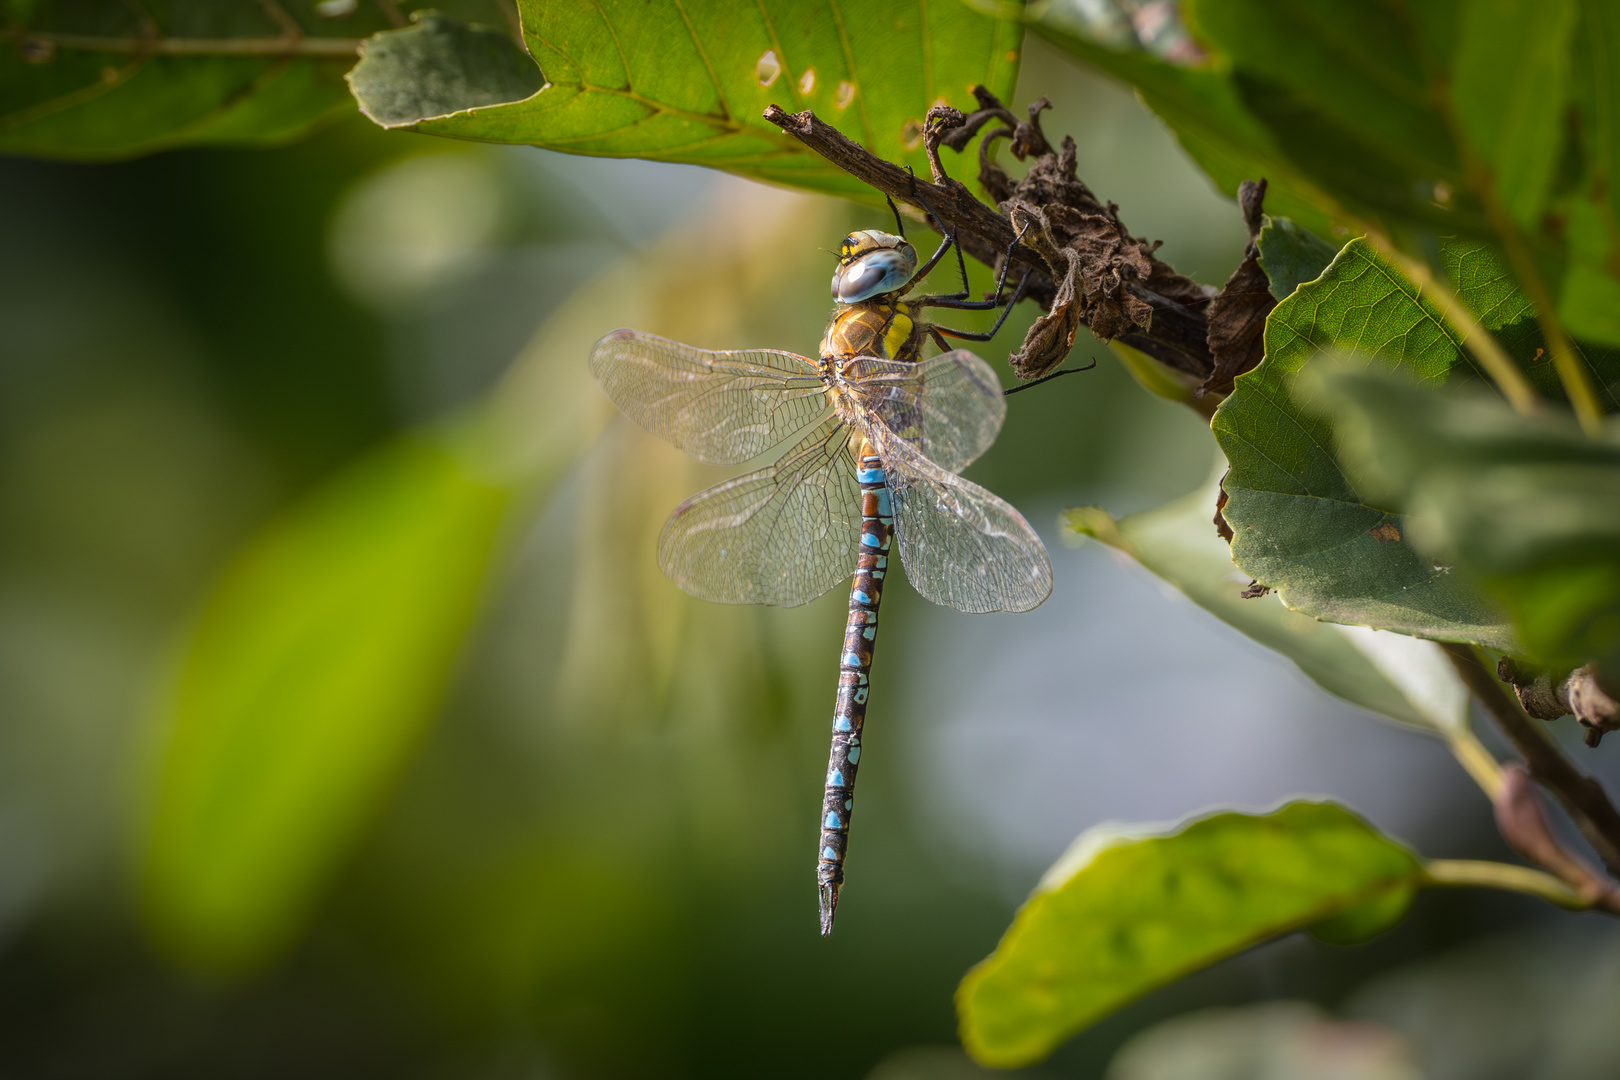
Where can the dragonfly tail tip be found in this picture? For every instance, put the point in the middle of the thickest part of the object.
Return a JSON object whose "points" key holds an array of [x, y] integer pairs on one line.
{"points": [[829, 907]]}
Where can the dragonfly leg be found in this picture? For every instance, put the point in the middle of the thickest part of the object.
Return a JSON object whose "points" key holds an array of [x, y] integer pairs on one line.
{"points": [[854, 671], [960, 302], [946, 244], [990, 333]]}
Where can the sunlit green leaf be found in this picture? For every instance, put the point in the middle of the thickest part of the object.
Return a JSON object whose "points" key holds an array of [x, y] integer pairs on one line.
{"points": [[104, 79], [1125, 911], [689, 82], [1530, 506], [1299, 525], [1399, 677], [308, 677], [1291, 255]]}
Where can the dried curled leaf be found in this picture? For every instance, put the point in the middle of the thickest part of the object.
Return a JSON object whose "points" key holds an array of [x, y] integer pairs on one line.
{"points": [[1104, 278], [1100, 269], [1237, 317]]}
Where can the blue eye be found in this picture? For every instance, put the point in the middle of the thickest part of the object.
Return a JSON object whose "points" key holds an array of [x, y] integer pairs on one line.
{"points": [[872, 274]]}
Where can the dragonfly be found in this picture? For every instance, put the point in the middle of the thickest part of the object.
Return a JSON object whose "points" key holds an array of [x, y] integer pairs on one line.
{"points": [[879, 435]]}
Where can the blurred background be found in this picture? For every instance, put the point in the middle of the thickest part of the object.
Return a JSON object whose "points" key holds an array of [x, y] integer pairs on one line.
{"points": [[587, 848]]}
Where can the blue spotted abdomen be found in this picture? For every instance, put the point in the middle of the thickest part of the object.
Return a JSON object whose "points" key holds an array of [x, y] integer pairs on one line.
{"points": [[854, 670]]}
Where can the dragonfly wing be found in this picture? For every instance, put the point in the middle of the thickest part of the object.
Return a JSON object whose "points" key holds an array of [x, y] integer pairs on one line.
{"points": [[783, 535], [950, 407], [962, 546], [719, 407]]}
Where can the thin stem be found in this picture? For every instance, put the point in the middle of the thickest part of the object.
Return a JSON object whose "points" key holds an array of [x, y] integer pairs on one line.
{"points": [[1584, 798], [1474, 873], [180, 46], [1476, 339], [1476, 761]]}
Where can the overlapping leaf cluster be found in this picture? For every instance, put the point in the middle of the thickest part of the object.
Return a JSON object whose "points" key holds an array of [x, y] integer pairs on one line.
{"points": [[1374, 480]]}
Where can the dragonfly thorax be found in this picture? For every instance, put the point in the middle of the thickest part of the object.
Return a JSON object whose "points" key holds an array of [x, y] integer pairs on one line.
{"points": [[872, 263], [886, 329]]}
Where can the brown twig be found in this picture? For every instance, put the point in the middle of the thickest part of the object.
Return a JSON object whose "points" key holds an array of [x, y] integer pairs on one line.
{"points": [[984, 234], [1584, 798], [1548, 695], [1175, 334]]}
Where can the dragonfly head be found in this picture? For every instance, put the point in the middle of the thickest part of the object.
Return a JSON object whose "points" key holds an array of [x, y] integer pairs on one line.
{"points": [[871, 263]]}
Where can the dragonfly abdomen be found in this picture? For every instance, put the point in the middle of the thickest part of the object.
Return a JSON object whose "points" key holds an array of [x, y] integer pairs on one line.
{"points": [[854, 671]]}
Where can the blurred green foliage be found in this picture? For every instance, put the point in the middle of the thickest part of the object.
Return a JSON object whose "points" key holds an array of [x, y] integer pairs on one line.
{"points": [[1529, 506]]}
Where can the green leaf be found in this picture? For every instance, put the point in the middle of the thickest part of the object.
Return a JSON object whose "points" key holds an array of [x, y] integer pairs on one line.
{"points": [[1343, 89], [1590, 308], [436, 67], [1299, 525], [1509, 81], [1290, 255], [1590, 295], [1486, 288], [1362, 923], [310, 673], [1204, 110], [689, 83], [1125, 911], [1402, 678], [1529, 506], [103, 79]]}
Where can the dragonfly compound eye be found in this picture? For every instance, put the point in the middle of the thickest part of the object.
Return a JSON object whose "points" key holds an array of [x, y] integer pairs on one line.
{"points": [[872, 273]]}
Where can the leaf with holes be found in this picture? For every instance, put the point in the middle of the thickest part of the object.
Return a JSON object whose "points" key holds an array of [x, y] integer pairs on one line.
{"points": [[689, 83], [1298, 524], [1127, 909]]}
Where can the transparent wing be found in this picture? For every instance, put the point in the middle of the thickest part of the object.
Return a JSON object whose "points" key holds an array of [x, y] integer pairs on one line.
{"points": [[720, 407], [962, 546], [782, 535], [950, 407]]}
